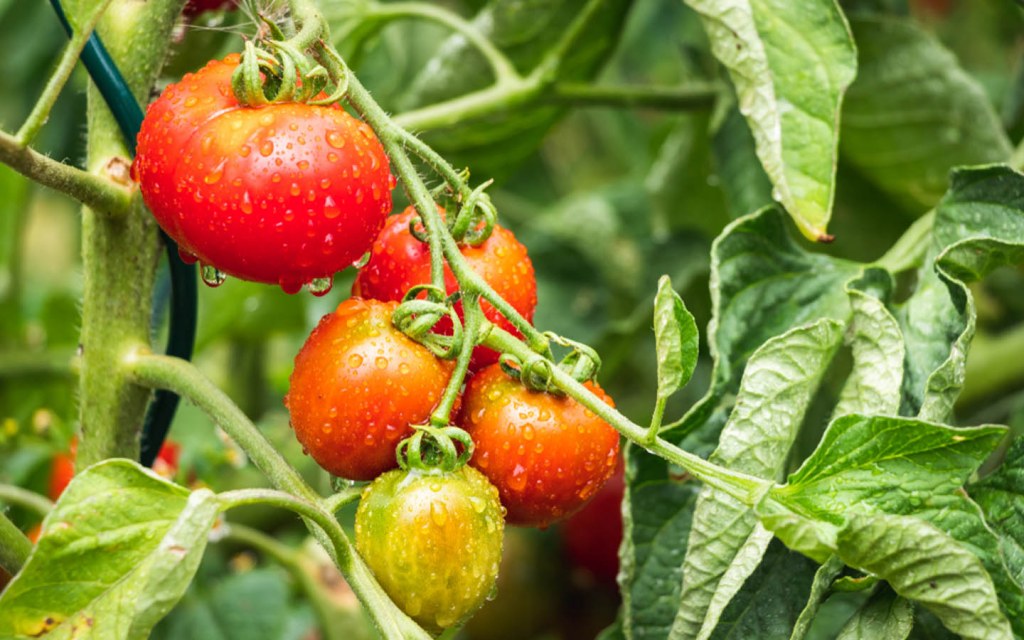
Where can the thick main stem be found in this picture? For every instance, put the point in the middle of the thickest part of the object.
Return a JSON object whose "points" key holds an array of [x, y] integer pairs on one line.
{"points": [[119, 253]]}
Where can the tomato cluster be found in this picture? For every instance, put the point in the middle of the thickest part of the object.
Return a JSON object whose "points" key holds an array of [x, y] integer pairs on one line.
{"points": [[290, 193]]}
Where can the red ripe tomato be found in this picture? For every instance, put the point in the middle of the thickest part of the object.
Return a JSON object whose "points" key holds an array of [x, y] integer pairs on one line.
{"points": [[398, 261], [546, 454], [357, 385], [593, 535], [283, 193], [195, 7]]}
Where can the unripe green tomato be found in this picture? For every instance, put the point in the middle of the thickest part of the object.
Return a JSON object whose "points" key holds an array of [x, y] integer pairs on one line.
{"points": [[433, 540]]}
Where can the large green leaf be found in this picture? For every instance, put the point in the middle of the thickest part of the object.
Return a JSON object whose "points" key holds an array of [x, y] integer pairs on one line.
{"points": [[116, 554], [885, 616], [778, 384], [526, 31], [791, 62], [762, 285], [905, 124], [979, 225], [743, 180], [924, 564], [1001, 497]]}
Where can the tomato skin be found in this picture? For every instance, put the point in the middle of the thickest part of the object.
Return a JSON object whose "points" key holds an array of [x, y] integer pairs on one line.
{"points": [[592, 536], [547, 455], [282, 193], [433, 539], [398, 261], [357, 385]]}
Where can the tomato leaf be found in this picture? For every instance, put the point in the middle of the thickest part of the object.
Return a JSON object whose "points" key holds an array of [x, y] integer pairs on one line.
{"points": [[924, 564], [979, 225], [823, 579], [876, 341], [125, 544], [905, 125], [747, 188], [790, 63], [885, 616], [1001, 498], [659, 517], [778, 384], [675, 334]]}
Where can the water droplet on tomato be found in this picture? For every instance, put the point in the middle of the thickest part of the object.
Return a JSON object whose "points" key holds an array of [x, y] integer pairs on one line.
{"points": [[335, 139], [212, 276], [246, 204], [245, 151], [186, 257], [266, 148], [403, 368], [381, 362], [528, 432], [438, 513], [303, 165], [320, 286], [294, 189], [325, 184], [355, 360], [213, 177], [355, 170], [289, 285]]}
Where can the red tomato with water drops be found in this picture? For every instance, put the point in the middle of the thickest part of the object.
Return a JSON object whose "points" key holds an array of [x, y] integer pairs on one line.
{"points": [[357, 385], [548, 455], [284, 193], [398, 262]]}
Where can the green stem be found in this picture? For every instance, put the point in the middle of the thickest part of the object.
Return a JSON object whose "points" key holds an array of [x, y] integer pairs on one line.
{"points": [[182, 377], [747, 489], [472, 320], [425, 206], [94, 190], [31, 500], [119, 254], [41, 111], [338, 500], [910, 250], [499, 63], [503, 96], [696, 96], [14, 546], [659, 413], [1017, 158]]}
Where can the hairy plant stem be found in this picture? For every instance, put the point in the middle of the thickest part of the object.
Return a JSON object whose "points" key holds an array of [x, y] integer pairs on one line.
{"points": [[180, 376], [472, 321], [119, 254], [94, 190], [14, 546], [747, 489], [31, 500], [911, 248]]}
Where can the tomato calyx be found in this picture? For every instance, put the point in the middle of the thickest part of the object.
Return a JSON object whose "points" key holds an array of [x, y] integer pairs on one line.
{"points": [[416, 317], [435, 449], [537, 372], [278, 71]]}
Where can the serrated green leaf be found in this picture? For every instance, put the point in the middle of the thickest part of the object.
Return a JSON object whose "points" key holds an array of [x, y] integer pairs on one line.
{"points": [[924, 564], [874, 336], [1001, 498], [771, 599], [823, 579], [675, 334], [906, 124], [762, 285], [778, 384], [979, 226], [790, 63], [658, 515], [125, 544], [885, 616]]}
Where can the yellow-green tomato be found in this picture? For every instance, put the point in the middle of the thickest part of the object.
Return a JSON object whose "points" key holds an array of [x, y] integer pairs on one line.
{"points": [[433, 540]]}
